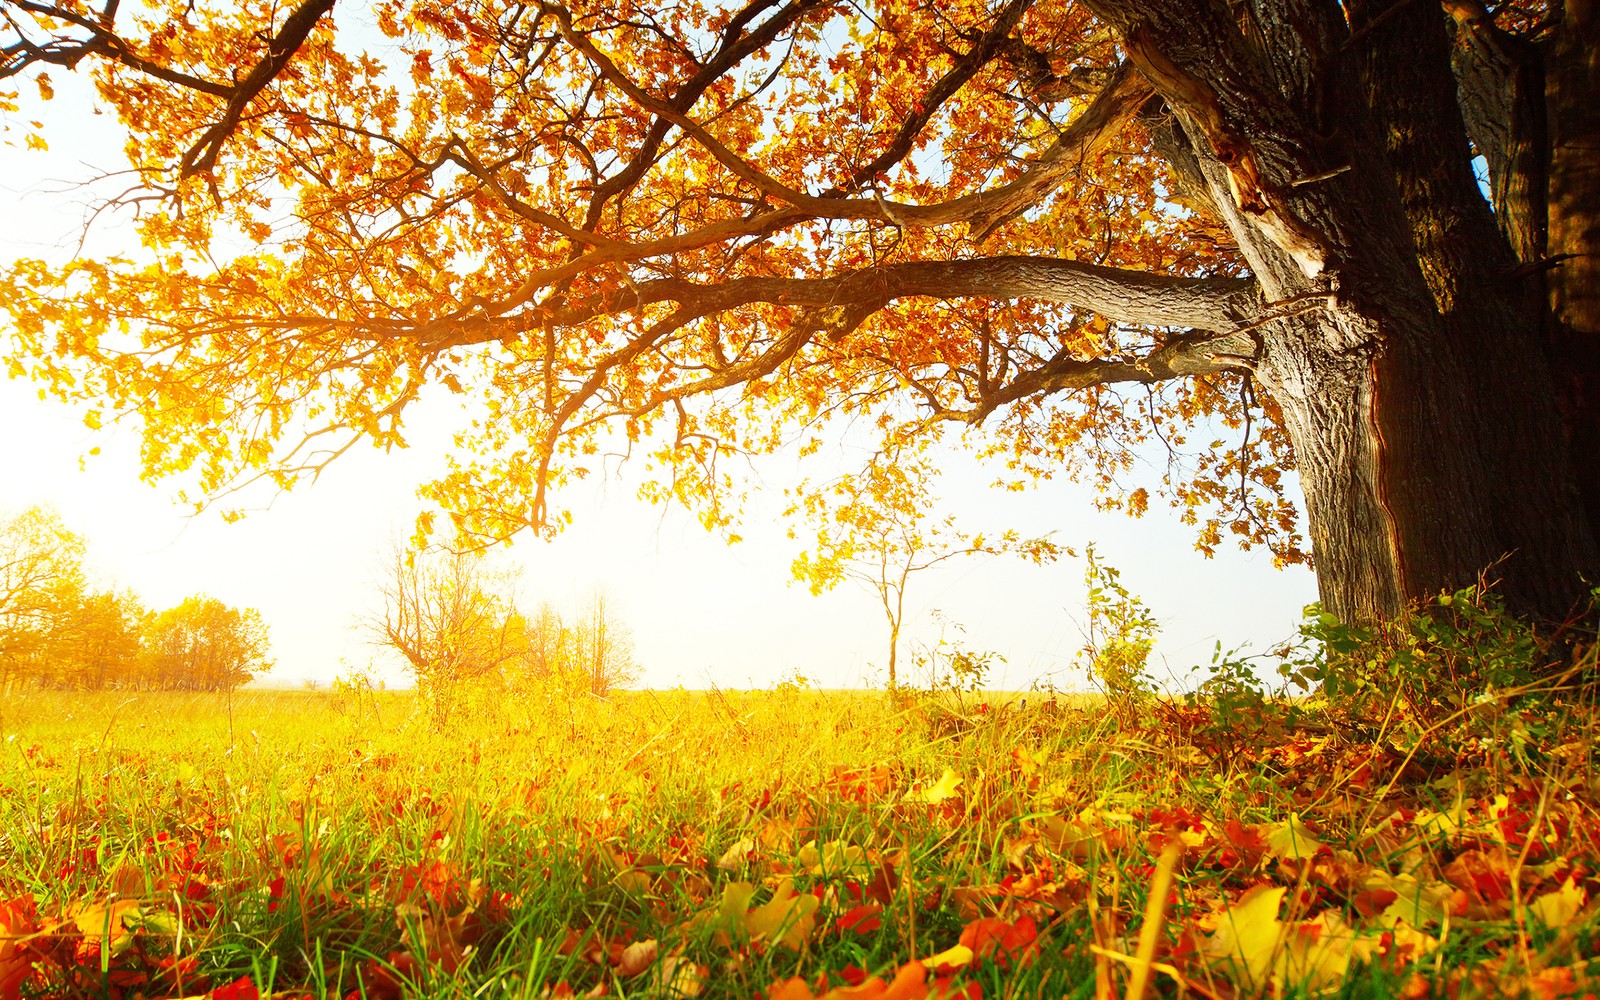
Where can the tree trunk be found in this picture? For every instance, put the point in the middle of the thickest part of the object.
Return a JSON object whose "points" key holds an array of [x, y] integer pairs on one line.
{"points": [[1415, 377], [1572, 92]]}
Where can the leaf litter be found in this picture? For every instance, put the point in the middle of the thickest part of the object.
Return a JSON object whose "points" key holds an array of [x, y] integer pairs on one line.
{"points": [[1001, 863]]}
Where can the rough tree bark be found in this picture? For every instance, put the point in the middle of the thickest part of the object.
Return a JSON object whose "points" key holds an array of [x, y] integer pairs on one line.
{"points": [[1417, 385]]}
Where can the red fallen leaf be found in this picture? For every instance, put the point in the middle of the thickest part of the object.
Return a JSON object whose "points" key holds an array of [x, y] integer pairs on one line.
{"points": [[18, 920], [862, 919], [944, 988], [1245, 845], [991, 937], [909, 983], [178, 970], [243, 988], [439, 881], [1371, 902], [587, 945], [883, 885], [793, 988], [381, 981], [1485, 881], [275, 894]]}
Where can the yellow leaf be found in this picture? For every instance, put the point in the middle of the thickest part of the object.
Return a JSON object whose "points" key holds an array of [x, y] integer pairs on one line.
{"points": [[951, 958], [1248, 936], [1318, 953], [108, 920], [735, 901], [735, 856], [944, 788], [1291, 840], [1416, 903], [1559, 908], [787, 918], [680, 977], [835, 858]]}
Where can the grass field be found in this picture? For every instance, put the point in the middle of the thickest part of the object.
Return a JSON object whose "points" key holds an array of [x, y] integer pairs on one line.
{"points": [[788, 844]]}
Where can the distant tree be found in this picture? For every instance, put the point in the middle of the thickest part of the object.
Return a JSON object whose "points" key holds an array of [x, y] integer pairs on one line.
{"points": [[876, 530], [41, 580], [450, 615], [98, 642], [593, 653], [205, 645], [1120, 635], [547, 644], [604, 657]]}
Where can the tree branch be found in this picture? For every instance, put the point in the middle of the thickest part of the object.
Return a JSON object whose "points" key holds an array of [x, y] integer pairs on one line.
{"points": [[1138, 297], [102, 41], [202, 156]]}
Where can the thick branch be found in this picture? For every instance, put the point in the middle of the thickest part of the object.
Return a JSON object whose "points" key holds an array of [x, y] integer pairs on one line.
{"points": [[202, 156], [1138, 297], [1179, 357], [102, 41]]}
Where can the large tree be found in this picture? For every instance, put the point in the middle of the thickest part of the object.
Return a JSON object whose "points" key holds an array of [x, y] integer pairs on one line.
{"points": [[1085, 226]]}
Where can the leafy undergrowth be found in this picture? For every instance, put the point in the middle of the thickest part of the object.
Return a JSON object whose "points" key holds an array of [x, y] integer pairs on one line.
{"points": [[789, 845]]}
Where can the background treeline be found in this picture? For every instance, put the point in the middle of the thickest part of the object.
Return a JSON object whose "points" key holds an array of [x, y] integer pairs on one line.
{"points": [[454, 619], [56, 630]]}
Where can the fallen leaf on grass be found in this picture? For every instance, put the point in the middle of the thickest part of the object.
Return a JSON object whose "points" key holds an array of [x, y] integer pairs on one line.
{"points": [[1419, 904], [243, 988], [637, 957], [108, 921], [787, 918], [19, 921], [1004, 942], [861, 919], [1259, 951], [939, 791], [909, 983], [1248, 936], [835, 859], [1485, 881], [951, 959], [1559, 908], [736, 856], [1291, 839], [678, 977]]}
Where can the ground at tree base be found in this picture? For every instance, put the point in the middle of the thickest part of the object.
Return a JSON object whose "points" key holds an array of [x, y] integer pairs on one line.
{"points": [[788, 844]]}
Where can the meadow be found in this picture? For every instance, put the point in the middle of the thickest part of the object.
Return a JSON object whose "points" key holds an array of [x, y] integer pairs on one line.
{"points": [[789, 844]]}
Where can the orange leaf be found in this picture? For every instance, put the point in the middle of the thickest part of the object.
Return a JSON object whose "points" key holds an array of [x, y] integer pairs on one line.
{"points": [[637, 957]]}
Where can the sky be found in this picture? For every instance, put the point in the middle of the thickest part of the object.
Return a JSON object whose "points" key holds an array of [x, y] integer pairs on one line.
{"points": [[702, 612]]}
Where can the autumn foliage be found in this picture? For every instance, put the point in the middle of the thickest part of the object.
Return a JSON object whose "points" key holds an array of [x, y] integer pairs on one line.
{"points": [[695, 231], [56, 630]]}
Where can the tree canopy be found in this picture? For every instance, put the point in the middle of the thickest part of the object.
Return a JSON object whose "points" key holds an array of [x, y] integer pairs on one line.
{"points": [[1246, 236]]}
